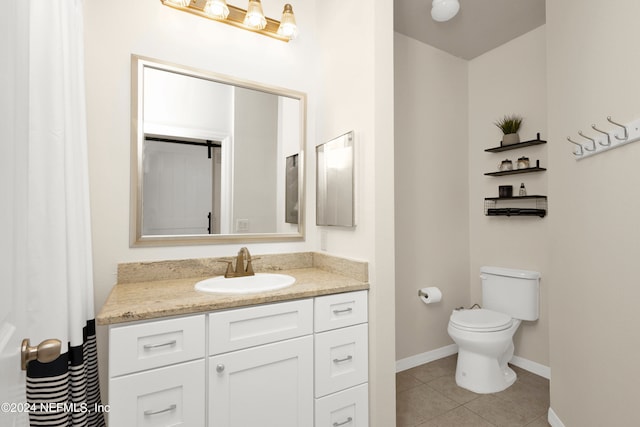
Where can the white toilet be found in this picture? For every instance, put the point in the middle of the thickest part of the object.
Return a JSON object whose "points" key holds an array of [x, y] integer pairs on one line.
{"points": [[485, 336]]}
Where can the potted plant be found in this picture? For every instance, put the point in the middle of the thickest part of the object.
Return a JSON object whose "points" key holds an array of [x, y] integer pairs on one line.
{"points": [[509, 125]]}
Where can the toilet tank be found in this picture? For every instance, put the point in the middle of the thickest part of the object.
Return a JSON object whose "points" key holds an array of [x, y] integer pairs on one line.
{"points": [[511, 291]]}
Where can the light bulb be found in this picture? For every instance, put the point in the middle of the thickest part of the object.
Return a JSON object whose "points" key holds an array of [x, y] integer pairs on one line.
{"points": [[255, 16], [443, 10], [288, 27], [217, 9]]}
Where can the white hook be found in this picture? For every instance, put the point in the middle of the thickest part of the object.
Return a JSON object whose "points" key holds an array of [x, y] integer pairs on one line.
{"points": [[579, 146], [593, 141], [606, 133], [626, 132]]}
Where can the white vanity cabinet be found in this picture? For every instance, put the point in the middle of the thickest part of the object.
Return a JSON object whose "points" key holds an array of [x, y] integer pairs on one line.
{"points": [[156, 373], [261, 366], [341, 360], [297, 363]]}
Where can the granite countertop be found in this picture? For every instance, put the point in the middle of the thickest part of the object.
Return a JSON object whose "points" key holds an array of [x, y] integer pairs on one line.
{"points": [[151, 299]]}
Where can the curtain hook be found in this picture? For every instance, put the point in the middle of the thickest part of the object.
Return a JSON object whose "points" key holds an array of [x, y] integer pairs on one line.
{"points": [[626, 132], [603, 132], [593, 141], [580, 153]]}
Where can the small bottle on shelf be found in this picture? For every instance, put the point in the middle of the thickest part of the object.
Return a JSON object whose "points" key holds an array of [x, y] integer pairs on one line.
{"points": [[523, 191]]}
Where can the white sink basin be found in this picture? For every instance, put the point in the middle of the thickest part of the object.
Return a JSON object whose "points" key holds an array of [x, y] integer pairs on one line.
{"points": [[261, 282]]}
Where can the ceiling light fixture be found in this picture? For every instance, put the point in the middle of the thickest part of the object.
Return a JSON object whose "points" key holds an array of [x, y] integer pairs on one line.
{"points": [[443, 10], [252, 19]]}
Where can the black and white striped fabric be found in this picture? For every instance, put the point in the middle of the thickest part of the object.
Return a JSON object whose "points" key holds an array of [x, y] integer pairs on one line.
{"points": [[66, 392]]}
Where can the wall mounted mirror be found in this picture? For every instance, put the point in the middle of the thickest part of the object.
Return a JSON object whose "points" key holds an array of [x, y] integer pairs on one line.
{"points": [[214, 159], [334, 182]]}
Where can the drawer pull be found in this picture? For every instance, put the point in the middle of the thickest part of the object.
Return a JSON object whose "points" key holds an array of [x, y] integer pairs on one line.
{"points": [[149, 412], [347, 421], [220, 368], [346, 359], [154, 346], [344, 310]]}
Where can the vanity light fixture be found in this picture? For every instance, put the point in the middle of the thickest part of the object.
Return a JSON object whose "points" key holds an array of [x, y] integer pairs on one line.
{"points": [[217, 9], [252, 19], [182, 3], [443, 10], [288, 27]]}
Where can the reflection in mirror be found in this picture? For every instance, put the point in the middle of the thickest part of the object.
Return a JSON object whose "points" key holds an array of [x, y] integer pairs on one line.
{"points": [[334, 181], [214, 158]]}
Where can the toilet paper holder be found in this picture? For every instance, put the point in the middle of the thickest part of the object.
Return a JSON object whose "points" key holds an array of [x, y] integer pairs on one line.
{"points": [[430, 294]]}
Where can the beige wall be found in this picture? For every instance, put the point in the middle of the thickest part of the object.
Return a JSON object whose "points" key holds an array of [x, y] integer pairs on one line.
{"points": [[432, 232], [593, 72], [255, 157], [445, 109], [510, 79], [353, 97]]}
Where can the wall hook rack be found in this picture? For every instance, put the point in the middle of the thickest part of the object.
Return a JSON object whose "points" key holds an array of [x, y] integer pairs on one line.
{"points": [[606, 140]]}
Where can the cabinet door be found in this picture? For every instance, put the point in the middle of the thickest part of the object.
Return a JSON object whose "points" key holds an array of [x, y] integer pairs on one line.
{"points": [[266, 386], [171, 396]]}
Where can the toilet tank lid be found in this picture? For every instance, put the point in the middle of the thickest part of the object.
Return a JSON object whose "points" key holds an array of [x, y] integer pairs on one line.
{"points": [[510, 272]]}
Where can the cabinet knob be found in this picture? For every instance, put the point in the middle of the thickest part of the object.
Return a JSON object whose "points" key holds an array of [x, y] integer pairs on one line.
{"points": [[220, 368]]}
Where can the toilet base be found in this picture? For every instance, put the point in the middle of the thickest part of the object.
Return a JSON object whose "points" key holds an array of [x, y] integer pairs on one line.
{"points": [[481, 374]]}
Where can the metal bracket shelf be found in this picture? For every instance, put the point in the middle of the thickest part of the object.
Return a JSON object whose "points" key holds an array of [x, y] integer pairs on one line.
{"points": [[502, 148], [516, 171], [491, 208]]}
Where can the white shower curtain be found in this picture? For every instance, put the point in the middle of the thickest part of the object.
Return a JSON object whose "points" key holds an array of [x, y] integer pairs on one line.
{"points": [[51, 198]]}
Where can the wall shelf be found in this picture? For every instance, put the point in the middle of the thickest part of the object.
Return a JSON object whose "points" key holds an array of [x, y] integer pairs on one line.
{"points": [[516, 205], [491, 206], [501, 148], [516, 171]]}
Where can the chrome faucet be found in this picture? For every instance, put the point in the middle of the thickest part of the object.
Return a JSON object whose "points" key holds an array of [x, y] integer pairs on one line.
{"points": [[240, 269]]}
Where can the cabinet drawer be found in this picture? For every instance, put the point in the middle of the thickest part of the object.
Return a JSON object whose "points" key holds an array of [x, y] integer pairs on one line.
{"points": [[142, 346], [347, 408], [341, 359], [170, 396], [248, 327], [340, 310]]}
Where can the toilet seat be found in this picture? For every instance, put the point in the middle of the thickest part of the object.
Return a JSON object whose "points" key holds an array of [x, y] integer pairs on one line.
{"points": [[480, 320]]}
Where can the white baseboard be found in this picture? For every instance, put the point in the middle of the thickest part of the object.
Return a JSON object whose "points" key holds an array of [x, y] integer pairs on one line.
{"points": [[533, 367], [553, 419], [439, 353], [422, 358]]}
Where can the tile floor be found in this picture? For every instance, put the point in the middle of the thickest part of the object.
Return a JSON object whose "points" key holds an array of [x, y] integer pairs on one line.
{"points": [[427, 396]]}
